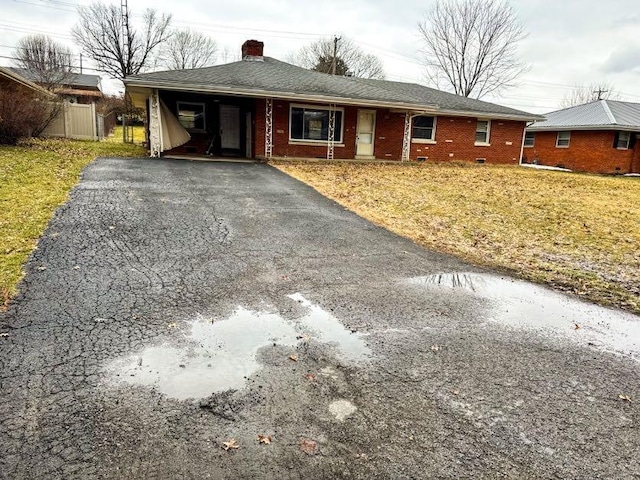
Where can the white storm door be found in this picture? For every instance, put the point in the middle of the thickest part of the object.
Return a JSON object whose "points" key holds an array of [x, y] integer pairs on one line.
{"points": [[366, 132], [229, 127]]}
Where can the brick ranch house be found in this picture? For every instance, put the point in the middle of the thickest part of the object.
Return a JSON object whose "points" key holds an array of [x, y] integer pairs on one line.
{"points": [[597, 137], [260, 107]]}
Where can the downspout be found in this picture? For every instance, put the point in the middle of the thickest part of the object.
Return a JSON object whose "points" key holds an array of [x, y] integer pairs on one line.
{"points": [[524, 135]]}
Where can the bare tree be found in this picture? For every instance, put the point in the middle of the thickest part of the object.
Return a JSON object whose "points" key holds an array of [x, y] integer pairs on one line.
{"points": [[114, 43], [344, 56], [189, 49], [470, 46], [48, 62], [581, 94]]}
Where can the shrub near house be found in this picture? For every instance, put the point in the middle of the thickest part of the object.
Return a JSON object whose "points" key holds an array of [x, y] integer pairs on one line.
{"points": [[25, 108]]}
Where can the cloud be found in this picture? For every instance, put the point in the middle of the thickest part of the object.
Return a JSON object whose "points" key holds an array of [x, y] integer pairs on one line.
{"points": [[622, 60]]}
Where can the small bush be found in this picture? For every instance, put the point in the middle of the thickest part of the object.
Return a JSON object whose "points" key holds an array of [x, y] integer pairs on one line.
{"points": [[24, 113]]}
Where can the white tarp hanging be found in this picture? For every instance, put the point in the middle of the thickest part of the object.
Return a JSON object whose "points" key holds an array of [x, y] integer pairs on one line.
{"points": [[173, 133]]}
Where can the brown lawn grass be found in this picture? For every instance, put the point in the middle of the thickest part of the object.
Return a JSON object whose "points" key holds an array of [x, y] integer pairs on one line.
{"points": [[35, 178], [577, 233]]}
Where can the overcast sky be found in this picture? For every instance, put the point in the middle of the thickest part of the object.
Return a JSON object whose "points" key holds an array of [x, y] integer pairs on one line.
{"points": [[569, 41]]}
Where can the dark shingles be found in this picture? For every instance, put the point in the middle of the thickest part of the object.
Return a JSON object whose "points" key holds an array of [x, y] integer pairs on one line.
{"points": [[272, 75]]}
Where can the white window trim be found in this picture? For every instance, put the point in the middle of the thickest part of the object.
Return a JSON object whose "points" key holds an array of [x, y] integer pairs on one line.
{"points": [[204, 115], [525, 140], [628, 141], [305, 141], [558, 139], [428, 141], [488, 142]]}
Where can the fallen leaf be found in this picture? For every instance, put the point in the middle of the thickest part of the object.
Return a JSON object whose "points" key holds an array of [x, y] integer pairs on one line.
{"points": [[577, 326], [455, 392], [625, 398], [293, 358], [435, 348], [266, 439], [310, 447], [310, 376], [230, 445]]}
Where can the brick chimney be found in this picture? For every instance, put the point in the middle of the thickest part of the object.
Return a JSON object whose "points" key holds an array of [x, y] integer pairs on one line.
{"points": [[253, 50]]}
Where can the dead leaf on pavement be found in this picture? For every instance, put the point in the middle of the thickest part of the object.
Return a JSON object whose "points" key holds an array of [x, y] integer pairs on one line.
{"points": [[266, 439], [230, 445], [293, 358], [310, 447], [625, 398], [310, 376], [577, 326]]}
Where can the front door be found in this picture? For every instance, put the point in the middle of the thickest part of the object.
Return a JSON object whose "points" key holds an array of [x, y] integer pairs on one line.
{"points": [[229, 127], [366, 133]]}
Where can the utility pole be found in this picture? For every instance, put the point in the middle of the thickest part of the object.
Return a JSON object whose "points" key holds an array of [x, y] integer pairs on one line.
{"points": [[124, 10], [80, 63], [600, 92], [335, 54]]}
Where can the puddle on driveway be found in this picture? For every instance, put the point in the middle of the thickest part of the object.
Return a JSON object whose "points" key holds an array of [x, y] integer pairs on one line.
{"points": [[525, 305], [221, 355]]}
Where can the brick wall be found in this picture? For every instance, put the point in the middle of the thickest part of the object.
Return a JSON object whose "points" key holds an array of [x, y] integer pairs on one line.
{"points": [[589, 151], [455, 141], [455, 138]]}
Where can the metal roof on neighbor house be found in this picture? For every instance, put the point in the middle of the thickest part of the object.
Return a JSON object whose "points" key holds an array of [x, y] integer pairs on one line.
{"points": [[598, 115], [273, 78], [75, 80]]}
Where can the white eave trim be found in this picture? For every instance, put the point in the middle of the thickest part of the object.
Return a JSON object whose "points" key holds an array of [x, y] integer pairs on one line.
{"points": [[567, 128], [255, 93]]}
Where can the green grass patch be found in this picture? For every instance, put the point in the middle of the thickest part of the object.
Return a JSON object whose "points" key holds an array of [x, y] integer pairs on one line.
{"points": [[576, 232], [35, 178]]}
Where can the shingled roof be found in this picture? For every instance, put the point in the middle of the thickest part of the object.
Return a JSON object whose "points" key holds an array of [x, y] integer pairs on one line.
{"points": [[269, 77], [598, 115]]}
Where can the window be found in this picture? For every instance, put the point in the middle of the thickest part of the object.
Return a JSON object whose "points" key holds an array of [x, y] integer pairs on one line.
{"points": [[483, 128], [622, 140], [563, 139], [191, 115], [311, 124], [424, 128], [529, 139]]}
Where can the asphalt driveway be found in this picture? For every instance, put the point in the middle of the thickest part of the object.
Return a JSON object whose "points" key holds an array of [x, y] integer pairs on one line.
{"points": [[172, 307]]}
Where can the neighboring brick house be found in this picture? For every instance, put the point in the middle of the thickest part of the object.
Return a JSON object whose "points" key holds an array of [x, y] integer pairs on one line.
{"points": [[260, 107], [597, 137], [78, 88]]}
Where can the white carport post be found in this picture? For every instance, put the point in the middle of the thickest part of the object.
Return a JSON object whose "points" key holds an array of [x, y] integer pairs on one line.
{"points": [[331, 134], [155, 124], [406, 141], [268, 127]]}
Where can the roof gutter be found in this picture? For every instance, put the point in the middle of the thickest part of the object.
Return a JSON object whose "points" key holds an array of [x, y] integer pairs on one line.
{"points": [[566, 128], [256, 93], [24, 82]]}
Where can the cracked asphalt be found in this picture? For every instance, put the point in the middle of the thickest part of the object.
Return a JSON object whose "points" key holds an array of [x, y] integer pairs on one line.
{"points": [[147, 253]]}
